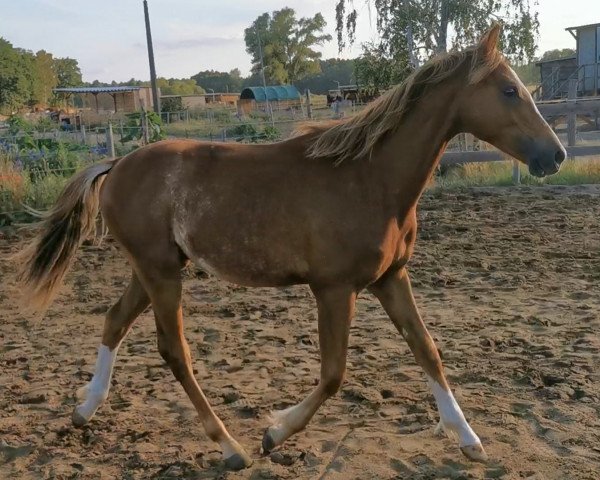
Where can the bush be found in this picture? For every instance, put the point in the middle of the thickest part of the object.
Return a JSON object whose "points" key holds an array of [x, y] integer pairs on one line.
{"points": [[134, 127]]}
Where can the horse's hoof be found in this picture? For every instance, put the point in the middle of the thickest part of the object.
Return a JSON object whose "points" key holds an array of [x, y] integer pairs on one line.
{"points": [[475, 453], [268, 443], [238, 461], [78, 419]]}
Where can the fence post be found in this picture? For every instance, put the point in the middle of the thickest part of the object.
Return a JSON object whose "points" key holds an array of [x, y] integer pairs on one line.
{"points": [[572, 116], [110, 141], [83, 139], [516, 172], [224, 135], [144, 122], [308, 105]]}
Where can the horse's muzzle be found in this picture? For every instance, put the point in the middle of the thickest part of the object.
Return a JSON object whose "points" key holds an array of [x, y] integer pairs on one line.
{"points": [[547, 164]]}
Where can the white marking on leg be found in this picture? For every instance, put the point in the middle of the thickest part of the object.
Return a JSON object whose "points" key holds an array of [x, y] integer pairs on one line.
{"points": [[97, 390], [284, 422], [452, 419]]}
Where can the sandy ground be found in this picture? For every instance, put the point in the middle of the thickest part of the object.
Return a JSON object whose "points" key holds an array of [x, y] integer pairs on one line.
{"points": [[507, 280]]}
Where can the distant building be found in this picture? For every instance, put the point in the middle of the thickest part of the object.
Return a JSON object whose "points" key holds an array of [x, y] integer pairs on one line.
{"points": [[555, 75], [223, 98], [113, 99], [588, 57], [176, 103], [279, 97]]}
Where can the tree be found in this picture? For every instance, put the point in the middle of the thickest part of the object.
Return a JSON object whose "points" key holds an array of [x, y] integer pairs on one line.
{"points": [[14, 78], [68, 73], [287, 44], [430, 22], [219, 81], [376, 69], [558, 53], [333, 70], [176, 86], [44, 78]]}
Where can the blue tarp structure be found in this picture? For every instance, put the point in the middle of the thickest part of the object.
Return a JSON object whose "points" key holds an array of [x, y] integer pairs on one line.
{"points": [[273, 93]]}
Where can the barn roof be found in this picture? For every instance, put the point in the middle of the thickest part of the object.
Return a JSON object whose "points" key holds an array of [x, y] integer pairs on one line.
{"points": [[273, 92], [112, 89], [583, 26]]}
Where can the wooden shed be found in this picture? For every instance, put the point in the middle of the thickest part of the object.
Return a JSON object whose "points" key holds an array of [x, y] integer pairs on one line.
{"points": [[588, 58], [115, 99], [554, 77], [584, 67], [223, 98]]}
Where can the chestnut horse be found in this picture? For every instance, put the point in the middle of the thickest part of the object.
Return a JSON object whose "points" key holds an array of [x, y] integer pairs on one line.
{"points": [[332, 207]]}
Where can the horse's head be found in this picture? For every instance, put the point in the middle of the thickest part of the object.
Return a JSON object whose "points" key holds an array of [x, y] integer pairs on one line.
{"points": [[497, 108]]}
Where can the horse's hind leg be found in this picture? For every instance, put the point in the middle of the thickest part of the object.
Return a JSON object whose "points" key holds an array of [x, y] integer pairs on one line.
{"points": [[395, 294], [119, 319], [164, 288], [335, 308]]}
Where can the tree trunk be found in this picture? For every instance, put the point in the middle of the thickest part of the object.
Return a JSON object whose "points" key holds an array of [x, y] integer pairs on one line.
{"points": [[442, 36]]}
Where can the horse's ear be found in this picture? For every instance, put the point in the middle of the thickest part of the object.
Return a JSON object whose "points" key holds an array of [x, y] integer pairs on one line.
{"points": [[489, 40]]}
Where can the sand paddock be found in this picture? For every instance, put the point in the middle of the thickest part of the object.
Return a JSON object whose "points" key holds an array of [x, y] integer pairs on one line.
{"points": [[508, 281]]}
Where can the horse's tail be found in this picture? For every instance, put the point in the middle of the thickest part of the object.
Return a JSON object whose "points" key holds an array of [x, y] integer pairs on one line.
{"points": [[43, 264]]}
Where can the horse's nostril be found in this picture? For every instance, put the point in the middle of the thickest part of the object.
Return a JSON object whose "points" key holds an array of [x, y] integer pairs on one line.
{"points": [[559, 156]]}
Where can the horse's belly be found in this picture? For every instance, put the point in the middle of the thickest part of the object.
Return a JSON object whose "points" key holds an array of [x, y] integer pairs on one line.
{"points": [[250, 266], [248, 273]]}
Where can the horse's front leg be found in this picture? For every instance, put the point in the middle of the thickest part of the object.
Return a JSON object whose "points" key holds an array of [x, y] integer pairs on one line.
{"points": [[395, 294], [335, 308]]}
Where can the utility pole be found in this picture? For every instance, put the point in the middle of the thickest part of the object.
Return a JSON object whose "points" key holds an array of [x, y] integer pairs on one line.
{"points": [[262, 71], [155, 98]]}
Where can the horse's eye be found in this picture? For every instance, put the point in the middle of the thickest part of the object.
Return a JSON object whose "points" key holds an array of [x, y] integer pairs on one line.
{"points": [[511, 91]]}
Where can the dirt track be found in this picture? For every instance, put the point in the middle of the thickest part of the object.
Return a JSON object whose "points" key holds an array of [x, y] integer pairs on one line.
{"points": [[508, 281]]}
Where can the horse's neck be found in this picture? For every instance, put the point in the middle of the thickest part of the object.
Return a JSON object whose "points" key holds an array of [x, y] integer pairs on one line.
{"points": [[409, 156]]}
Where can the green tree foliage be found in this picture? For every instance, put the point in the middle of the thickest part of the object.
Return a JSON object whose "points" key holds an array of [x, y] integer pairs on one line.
{"points": [[44, 77], [68, 73], [333, 70], [287, 44], [252, 80], [377, 69], [27, 79], [219, 81], [558, 53], [176, 86], [14, 82], [431, 22]]}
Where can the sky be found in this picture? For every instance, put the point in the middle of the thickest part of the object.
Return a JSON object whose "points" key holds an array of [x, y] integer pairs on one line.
{"points": [[108, 39]]}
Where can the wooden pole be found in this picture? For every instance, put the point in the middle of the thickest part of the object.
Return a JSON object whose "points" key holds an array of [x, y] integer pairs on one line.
{"points": [[155, 98], [308, 105], [516, 172], [572, 116], [110, 140]]}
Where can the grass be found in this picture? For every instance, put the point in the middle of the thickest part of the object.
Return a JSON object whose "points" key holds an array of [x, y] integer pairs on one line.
{"points": [[572, 172], [37, 188]]}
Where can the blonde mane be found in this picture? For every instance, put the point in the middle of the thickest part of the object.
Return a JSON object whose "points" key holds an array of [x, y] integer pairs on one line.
{"points": [[355, 137]]}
